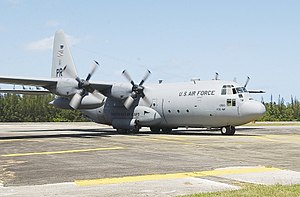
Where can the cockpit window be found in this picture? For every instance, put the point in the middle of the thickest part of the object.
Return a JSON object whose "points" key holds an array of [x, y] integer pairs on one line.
{"points": [[241, 90], [227, 90]]}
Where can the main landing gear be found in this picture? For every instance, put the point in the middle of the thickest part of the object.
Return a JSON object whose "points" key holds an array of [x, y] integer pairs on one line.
{"points": [[128, 131], [228, 130], [159, 130]]}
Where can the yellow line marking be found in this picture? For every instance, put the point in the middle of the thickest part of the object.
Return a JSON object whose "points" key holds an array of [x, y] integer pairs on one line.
{"points": [[61, 152], [18, 140], [265, 138], [152, 177], [280, 138]]}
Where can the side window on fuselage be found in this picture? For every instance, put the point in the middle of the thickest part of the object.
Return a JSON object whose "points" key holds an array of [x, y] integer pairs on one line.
{"points": [[231, 102], [227, 90]]}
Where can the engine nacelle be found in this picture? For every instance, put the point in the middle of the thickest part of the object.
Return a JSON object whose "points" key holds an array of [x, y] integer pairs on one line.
{"points": [[66, 87], [89, 101], [120, 91], [61, 103], [146, 116]]}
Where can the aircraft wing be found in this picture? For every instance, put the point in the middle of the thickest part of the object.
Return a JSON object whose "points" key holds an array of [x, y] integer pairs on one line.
{"points": [[49, 83], [28, 92], [28, 81], [101, 86]]}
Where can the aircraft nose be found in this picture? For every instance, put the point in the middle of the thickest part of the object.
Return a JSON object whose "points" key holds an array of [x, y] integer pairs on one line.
{"points": [[252, 109]]}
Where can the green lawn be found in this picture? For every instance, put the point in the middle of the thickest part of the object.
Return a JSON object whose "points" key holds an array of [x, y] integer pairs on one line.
{"points": [[252, 190]]}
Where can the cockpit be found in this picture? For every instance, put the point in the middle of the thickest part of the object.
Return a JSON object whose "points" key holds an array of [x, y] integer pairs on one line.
{"points": [[230, 89]]}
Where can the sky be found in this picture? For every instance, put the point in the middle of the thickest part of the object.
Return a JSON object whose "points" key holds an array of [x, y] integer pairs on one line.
{"points": [[175, 40]]}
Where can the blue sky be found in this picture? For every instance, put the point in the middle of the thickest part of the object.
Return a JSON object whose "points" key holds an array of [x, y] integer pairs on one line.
{"points": [[176, 40]]}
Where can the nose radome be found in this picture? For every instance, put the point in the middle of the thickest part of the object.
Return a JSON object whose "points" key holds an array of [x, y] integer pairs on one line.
{"points": [[253, 109], [261, 108]]}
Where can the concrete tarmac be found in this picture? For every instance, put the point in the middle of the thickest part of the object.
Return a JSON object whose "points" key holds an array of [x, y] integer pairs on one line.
{"points": [[88, 159]]}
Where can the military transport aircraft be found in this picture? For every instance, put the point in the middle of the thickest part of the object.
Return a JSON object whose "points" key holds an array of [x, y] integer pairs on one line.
{"points": [[131, 106]]}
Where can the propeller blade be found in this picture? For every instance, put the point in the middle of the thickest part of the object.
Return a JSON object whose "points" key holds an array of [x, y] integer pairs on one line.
{"points": [[248, 79], [128, 102], [98, 95], [145, 98], [128, 77], [78, 79], [76, 100], [145, 77], [93, 69]]}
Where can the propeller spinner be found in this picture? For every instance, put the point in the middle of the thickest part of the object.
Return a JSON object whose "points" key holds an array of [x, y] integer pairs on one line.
{"points": [[137, 89], [84, 88]]}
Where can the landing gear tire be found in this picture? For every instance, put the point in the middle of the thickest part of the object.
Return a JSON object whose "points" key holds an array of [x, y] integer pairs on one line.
{"points": [[228, 130]]}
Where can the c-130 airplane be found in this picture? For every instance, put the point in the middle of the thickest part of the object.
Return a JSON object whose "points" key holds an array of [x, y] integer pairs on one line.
{"points": [[131, 106]]}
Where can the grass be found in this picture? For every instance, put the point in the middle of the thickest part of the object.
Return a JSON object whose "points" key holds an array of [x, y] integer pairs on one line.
{"points": [[252, 190], [273, 123]]}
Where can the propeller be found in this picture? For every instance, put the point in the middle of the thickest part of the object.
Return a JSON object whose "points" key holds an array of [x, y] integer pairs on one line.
{"points": [[247, 81], [84, 87], [137, 89]]}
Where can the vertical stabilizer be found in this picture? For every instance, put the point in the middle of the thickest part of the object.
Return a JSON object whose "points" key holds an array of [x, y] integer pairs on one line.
{"points": [[62, 61]]}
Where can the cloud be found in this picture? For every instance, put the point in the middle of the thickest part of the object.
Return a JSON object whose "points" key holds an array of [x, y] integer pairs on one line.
{"points": [[47, 43], [41, 45], [52, 23]]}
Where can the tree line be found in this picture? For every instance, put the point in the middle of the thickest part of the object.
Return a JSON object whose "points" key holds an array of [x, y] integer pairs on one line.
{"points": [[281, 111], [36, 108]]}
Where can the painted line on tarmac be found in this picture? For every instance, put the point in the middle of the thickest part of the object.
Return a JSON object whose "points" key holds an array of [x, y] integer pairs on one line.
{"points": [[280, 138], [155, 177], [18, 140], [62, 152]]}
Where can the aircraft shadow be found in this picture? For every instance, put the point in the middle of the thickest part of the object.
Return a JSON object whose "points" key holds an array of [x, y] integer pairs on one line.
{"points": [[94, 133], [86, 134], [197, 132]]}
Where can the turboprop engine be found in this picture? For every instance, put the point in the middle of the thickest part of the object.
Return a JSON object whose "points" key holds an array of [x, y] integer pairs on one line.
{"points": [[89, 101], [120, 91], [84, 96], [66, 87]]}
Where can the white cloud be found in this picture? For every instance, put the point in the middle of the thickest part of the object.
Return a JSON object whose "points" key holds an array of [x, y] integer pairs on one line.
{"points": [[47, 43], [72, 40], [41, 45], [52, 23]]}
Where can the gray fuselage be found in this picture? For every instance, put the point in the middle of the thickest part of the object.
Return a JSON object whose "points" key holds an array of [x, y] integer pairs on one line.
{"points": [[209, 104]]}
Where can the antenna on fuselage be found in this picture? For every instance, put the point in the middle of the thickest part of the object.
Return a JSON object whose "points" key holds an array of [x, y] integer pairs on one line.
{"points": [[217, 76], [195, 79], [247, 81]]}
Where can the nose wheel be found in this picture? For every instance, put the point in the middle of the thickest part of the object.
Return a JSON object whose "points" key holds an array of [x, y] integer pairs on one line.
{"points": [[228, 130]]}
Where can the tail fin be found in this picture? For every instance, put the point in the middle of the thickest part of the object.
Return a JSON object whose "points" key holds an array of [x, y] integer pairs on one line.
{"points": [[62, 61]]}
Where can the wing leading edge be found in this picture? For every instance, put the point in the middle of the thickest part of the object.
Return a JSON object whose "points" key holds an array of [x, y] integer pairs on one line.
{"points": [[46, 83], [49, 84]]}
